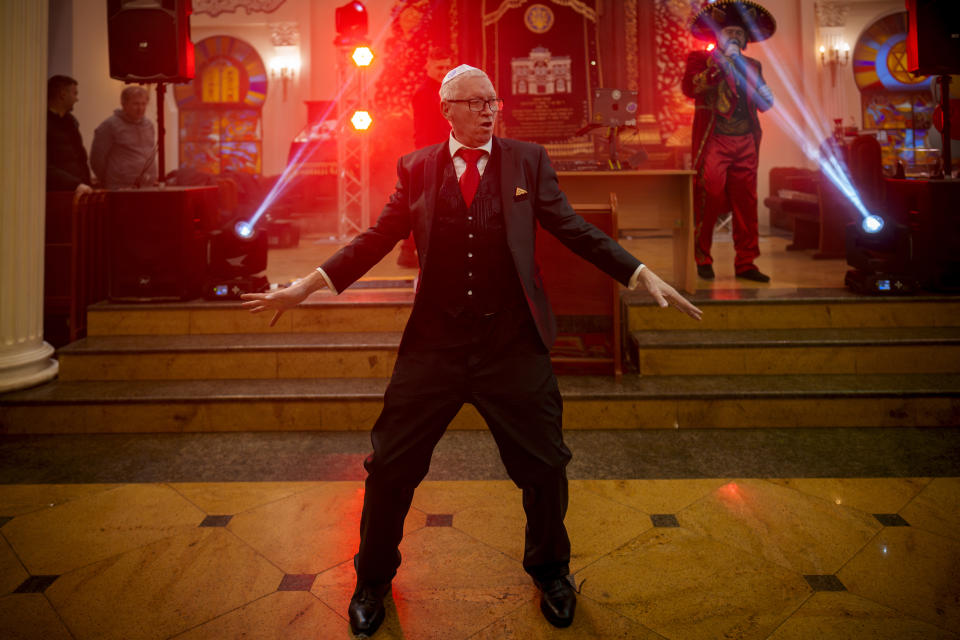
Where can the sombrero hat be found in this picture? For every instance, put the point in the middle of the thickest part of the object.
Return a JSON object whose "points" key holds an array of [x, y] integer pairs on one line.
{"points": [[712, 17]]}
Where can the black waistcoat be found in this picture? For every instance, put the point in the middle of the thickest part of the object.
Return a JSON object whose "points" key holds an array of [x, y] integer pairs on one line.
{"points": [[470, 271]]}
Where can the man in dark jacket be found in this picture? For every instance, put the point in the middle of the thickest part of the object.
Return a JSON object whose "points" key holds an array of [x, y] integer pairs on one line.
{"points": [[480, 332], [729, 89], [67, 168]]}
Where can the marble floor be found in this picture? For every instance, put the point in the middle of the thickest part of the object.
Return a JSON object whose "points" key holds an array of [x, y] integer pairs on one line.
{"points": [[675, 536]]}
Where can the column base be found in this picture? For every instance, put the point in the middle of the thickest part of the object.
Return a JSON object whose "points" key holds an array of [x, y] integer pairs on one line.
{"points": [[27, 367]]}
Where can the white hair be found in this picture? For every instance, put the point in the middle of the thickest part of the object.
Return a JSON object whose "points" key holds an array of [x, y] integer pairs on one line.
{"points": [[448, 89], [131, 91]]}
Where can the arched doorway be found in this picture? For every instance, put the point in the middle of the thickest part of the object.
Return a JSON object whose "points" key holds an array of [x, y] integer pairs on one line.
{"points": [[221, 126], [896, 104]]}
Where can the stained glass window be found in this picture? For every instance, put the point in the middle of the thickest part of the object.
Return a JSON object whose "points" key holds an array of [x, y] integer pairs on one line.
{"points": [[220, 111]]}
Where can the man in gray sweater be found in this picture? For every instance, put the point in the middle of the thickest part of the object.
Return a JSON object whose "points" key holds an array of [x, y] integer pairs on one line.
{"points": [[124, 144]]}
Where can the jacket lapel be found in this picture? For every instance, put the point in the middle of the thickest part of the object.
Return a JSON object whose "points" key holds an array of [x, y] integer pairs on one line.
{"points": [[509, 170], [428, 198]]}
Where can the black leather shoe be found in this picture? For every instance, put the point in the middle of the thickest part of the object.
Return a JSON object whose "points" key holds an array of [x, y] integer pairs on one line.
{"points": [[557, 601], [366, 608], [705, 271], [755, 275]]}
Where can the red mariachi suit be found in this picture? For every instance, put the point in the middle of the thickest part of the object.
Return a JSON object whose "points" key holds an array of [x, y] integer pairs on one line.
{"points": [[726, 165]]}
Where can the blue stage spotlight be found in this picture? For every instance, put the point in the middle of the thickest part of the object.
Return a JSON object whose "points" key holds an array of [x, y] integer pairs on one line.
{"points": [[872, 223], [243, 229]]}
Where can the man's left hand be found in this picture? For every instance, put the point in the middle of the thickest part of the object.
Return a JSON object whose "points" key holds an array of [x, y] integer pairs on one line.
{"points": [[666, 295]]}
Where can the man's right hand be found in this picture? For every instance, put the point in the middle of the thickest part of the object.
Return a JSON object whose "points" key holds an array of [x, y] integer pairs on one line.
{"points": [[282, 299], [731, 49]]}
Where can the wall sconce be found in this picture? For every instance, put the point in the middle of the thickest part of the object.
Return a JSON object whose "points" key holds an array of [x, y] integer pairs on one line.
{"points": [[285, 63], [837, 56]]}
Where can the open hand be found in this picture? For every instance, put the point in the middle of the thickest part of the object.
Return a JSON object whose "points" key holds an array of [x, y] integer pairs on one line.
{"points": [[282, 299], [666, 295]]}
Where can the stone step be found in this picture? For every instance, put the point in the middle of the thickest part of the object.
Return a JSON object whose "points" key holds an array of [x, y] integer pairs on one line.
{"points": [[590, 402], [230, 356], [323, 312], [749, 309], [796, 351], [388, 311]]}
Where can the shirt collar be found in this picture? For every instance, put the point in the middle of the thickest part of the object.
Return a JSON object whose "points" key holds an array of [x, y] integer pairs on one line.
{"points": [[455, 146]]}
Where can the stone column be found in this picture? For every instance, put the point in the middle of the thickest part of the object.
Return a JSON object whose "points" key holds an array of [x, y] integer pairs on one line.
{"points": [[24, 356]]}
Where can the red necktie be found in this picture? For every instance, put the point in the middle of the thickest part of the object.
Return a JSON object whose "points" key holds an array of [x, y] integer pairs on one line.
{"points": [[470, 179]]}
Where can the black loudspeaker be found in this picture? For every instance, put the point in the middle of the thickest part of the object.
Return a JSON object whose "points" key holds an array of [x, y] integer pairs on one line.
{"points": [[158, 242], [149, 40], [933, 37]]}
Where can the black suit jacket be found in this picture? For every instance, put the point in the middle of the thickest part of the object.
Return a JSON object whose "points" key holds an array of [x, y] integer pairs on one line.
{"points": [[531, 197]]}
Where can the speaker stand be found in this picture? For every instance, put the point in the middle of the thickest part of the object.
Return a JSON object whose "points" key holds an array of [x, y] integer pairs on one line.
{"points": [[161, 133]]}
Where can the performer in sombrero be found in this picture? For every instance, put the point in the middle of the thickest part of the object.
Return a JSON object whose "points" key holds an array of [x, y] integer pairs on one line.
{"points": [[729, 89]]}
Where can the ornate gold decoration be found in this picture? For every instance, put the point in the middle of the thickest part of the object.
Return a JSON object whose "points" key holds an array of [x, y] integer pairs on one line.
{"points": [[577, 5]]}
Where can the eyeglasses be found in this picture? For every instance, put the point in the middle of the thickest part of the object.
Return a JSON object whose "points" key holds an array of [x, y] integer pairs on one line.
{"points": [[477, 104]]}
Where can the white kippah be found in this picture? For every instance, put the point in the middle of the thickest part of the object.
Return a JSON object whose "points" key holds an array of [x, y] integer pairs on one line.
{"points": [[453, 73]]}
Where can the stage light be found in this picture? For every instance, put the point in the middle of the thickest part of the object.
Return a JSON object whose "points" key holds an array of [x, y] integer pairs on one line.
{"points": [[711, 47], [351, 23], [243, 229], [361, 120], [362, 56], [872, 223]]}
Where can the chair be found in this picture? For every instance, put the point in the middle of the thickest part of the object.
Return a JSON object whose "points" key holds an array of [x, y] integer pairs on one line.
{"points": [[585, 300]]}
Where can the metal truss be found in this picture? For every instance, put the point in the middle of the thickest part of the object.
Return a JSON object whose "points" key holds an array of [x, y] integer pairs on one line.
{"points": [[353, 149]]}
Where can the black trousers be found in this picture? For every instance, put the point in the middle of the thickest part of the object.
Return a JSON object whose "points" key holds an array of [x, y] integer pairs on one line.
{"points": [[505, 372]]}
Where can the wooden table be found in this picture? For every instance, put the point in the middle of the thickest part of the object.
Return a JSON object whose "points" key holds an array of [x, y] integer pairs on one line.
{"points": [[648, 200]]}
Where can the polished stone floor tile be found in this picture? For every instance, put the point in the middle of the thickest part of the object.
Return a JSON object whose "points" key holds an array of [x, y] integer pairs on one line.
{"points": [[807, 534], [846, 616], [334, 587], [163, 588], [94, 527], [870, 495], [18, 499], [448, 587], [936, 508], [592, 620], [910, 570], [307, 532], [652, 496], [310, 531], [451, 586], [286, 615], [28, 617], [236, 497], [454, 496], [495, 518], [12, 573], [686, 586], [597, 526]]}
